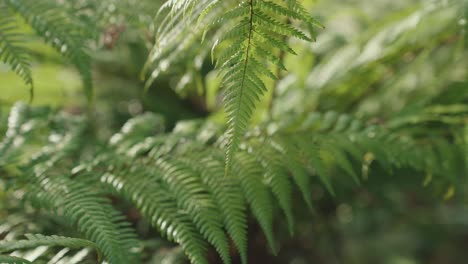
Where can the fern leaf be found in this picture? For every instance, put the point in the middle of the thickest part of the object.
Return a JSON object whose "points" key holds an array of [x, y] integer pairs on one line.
{"points": [[36, 240], [92, 215], [193, 196], [56, 27], [244, 37], [311, 152], [228, 197], [249, 173], [295, 166], [340, 157], [244, 70], [11, 50], [160, 208], [83, 207]]}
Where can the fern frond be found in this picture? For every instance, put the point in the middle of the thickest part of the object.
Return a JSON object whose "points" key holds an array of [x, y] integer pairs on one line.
{"points": [[36, 240], [194, 197], [12, 51], [91, 214], [175, 41], [56, 27], [83, 207], [309, 150], [177, 180], [13, 260], [244, 69], [228, 198], [158, 205], [295, 166], [17, 117], [276, 176]]}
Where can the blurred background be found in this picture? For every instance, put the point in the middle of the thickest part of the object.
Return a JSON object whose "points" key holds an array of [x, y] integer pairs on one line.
{"points": [[379, 60]]}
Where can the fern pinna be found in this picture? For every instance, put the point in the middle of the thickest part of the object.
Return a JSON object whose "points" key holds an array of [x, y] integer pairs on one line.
{"points": [[176, 180]]}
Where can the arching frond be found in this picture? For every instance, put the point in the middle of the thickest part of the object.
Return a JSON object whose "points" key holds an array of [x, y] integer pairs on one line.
{"points": [[176, 180], [12, 51], [36, 240], [56, 27], [245, 41]]}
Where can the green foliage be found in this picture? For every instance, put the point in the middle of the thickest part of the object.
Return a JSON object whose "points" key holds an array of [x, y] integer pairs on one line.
{"points": [[58, 28], [69, 27], [189, 199], [206, 186], [251, 34], [11, 50], [37, 240]]}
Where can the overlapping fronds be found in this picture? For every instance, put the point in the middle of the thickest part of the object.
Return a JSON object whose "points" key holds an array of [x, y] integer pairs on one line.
{"points": [[36, 240], [369, 71], [177, 182], [84, 207], [204, 188], [13, 260], [57, 28]]}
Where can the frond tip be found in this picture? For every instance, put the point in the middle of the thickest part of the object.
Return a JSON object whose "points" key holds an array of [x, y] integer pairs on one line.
{"points": [[187, 198]]}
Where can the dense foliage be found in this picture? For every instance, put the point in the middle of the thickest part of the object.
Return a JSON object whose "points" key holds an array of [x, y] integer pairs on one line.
{"points": [[374, 114]]}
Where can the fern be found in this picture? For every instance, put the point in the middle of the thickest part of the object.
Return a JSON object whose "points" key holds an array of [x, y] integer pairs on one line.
{"points": [[188, 199], [34, 241], [12, 51], [252, 31], [244, 65], [54, 26], [158, 205], [68, 27], [82, 206], [198, 185]]}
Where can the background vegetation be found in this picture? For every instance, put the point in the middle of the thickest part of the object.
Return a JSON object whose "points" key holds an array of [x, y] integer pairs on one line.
{"points": [[396, 195]]}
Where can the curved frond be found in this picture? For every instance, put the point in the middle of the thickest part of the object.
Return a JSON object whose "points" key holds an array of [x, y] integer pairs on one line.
{"points": [[245, 38], [12, 51], [36, 240], [57, 28], [177, 180], [159, 206]]}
